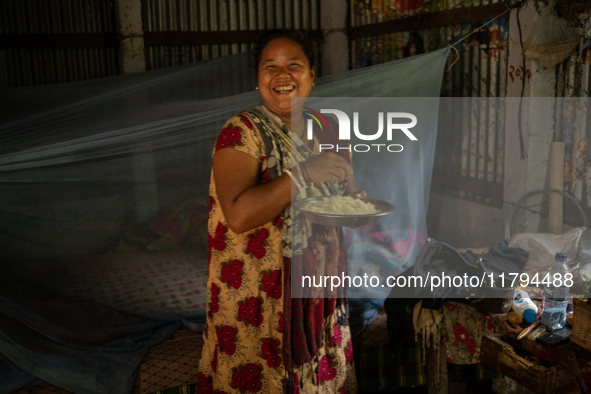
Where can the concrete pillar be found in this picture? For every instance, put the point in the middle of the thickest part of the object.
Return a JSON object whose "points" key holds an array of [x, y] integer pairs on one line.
{"points": [[131, 32], [335, 51], [527, 173], [132, 59]]}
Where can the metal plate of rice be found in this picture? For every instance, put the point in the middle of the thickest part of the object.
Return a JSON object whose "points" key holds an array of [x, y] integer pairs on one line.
{"points": [[329, 219]]}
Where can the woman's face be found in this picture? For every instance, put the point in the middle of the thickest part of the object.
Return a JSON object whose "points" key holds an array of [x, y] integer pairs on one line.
{"points": [[284, 72]]}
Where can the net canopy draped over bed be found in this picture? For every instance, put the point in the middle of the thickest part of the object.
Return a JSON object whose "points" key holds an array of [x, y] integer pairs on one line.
{"points": [[104, 204]]}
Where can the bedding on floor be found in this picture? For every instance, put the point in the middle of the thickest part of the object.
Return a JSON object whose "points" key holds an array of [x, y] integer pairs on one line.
{"points": [[88, 327]]}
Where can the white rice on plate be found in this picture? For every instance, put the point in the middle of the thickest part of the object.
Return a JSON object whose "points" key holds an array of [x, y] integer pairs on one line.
{"points": [[341, 205]]}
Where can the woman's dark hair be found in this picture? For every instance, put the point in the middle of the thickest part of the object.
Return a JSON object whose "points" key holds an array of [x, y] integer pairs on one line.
{"points": [[295, 35]]}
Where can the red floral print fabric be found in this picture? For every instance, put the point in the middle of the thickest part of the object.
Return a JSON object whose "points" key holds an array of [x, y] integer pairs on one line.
{"points": [[243, 348]]}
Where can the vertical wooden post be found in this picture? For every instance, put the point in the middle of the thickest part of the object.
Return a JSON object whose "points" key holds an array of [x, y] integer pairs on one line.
{"points": [[555, 207], [132, 56]]}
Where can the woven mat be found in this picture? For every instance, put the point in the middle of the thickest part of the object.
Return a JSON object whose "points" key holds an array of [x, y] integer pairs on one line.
{"points": [[171, 364]]}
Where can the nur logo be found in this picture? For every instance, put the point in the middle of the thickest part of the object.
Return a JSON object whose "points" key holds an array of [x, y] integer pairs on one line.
{"points": [[345, 129], [318, 118]]}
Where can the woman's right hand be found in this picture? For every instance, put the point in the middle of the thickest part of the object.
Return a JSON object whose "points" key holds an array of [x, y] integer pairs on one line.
{"points": [[327, 167]]}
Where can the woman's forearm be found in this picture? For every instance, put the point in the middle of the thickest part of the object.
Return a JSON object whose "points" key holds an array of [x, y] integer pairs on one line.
{"points": [[258, 205], [245, 202]]}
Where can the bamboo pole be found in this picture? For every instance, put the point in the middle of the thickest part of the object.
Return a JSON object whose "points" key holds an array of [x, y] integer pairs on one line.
{"points": [[555, 210]]}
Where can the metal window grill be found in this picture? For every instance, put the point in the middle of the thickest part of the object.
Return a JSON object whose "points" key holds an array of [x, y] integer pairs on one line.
{"points": [[470, 153]]}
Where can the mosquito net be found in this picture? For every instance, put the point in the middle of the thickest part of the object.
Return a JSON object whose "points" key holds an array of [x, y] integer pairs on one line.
{"points": [[104, 205]]}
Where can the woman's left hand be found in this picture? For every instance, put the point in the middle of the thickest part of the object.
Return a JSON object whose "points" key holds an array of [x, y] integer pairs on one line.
{"points": [[358, 194]]}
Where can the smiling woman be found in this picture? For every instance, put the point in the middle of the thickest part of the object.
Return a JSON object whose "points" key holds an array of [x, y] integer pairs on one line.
{"points": [[258, 338], [284, 72]]}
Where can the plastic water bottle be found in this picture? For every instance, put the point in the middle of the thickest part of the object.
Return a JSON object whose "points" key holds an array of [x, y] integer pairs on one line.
{"points": [[556, 297]]}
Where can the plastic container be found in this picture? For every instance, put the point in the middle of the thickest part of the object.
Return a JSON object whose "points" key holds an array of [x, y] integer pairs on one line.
{"points": [[524, 306], [539, 330], [556, 297]]}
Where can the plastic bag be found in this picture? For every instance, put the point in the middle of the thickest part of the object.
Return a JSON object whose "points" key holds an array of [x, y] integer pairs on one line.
{"points": [[551, 40], [542, 247]]}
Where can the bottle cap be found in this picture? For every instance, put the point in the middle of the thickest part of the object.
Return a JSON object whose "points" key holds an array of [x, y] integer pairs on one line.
{"points": [[560, 256], [530, 315]]}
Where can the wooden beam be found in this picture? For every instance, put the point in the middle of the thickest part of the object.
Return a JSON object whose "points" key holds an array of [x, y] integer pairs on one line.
{"points": [[163, 38], [171, 38], [494, 191], [424, 21], [76, 40]]}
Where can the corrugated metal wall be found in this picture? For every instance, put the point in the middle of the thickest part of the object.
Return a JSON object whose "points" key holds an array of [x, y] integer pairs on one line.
{"points": [[473, 147], [31, 66], [223, 15], [45, 64], [57, 16]]}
